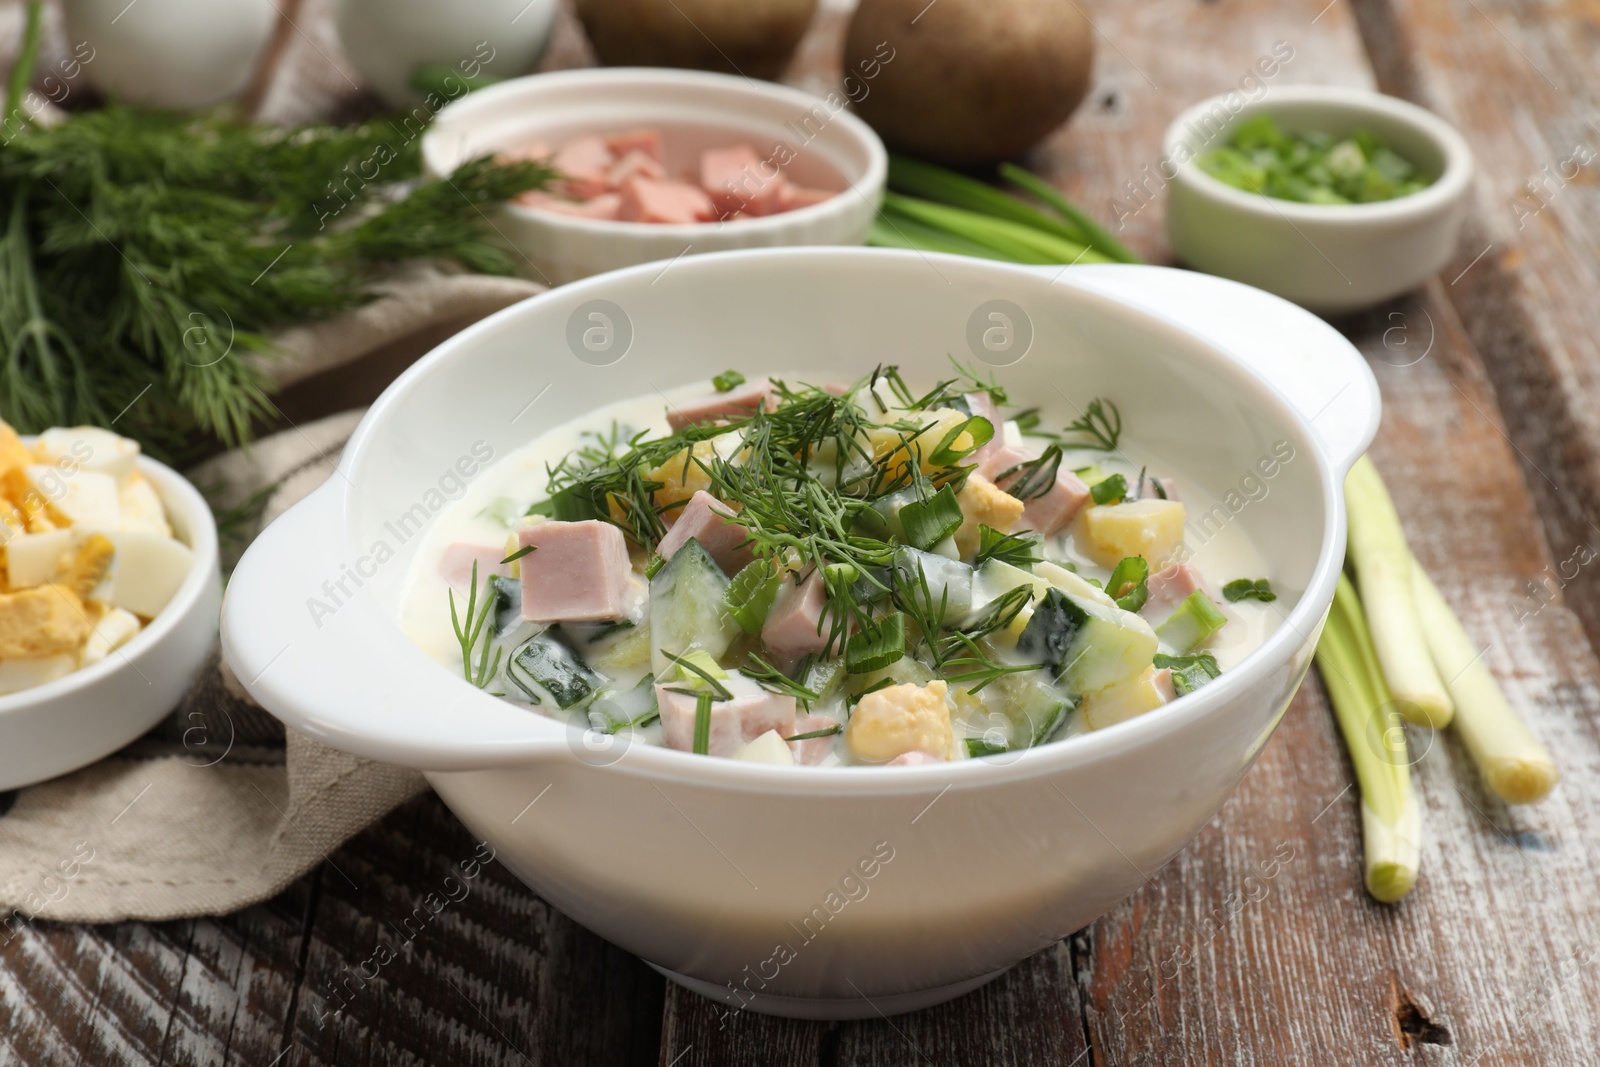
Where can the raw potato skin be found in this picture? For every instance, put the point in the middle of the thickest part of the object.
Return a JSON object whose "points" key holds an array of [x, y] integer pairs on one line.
{"points": [[973, 81], [750, 37]]}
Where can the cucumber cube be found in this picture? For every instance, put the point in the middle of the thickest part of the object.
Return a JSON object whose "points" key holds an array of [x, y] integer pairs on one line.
{"points": [[543, 666], [1196, 619], [687, 609], [1086, 645]]}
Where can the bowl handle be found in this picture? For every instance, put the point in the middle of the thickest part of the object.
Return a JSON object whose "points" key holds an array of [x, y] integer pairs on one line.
{"points": [[1319, 372], [305, 637]]}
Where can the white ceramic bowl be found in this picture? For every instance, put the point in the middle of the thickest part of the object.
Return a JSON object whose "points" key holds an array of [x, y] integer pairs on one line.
{"points": [[77, 719], [827, 148], [703, 866], [1329, 258], [387, 40]]}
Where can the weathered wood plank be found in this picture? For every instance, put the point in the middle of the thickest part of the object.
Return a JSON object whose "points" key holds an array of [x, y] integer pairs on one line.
{"points": [[211, 991], [1258, 945], [423, 951], [1518, 80]]}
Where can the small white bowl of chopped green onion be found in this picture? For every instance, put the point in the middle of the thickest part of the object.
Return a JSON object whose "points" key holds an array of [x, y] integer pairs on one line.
{"points": [[1337, 199]]}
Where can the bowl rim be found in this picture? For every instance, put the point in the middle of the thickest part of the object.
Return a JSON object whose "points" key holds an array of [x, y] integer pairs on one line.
{"points": [[1293, 633], [866, 187], [1447, 188], [184, 503]]}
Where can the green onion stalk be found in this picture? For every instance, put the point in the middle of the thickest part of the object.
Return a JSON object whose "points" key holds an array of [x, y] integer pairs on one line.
{"points": [[938, 210], [1382, 564], [1391, 823], [1512, 761]]}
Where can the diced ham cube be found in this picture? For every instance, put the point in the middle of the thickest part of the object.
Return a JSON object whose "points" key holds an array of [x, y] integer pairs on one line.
{"points": [[1168, 588], [455, 563], [734, 723], [795, 624], [1058, 506], [604, 206], [999, 460], [1049, 512], [913, 759], [982, 404], [1162, 680], [813, 750], [648, 200], [737, 403], [584, 163], [738, 180], [647, 141], [794, 197], [711, 522], [635, 164], [578, 572]]}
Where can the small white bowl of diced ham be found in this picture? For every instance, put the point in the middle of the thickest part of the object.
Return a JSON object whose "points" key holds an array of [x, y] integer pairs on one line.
{"points": [[656, 164], [109, 594]]}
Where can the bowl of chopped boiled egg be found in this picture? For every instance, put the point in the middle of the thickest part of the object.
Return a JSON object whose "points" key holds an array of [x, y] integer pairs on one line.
{"points": [[654, 164], [110, 596]]}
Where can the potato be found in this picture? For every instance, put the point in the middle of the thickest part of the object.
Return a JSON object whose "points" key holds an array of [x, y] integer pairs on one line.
{"points": [[968, 82], [1149, 528], [1125, 700], [750, 37]]}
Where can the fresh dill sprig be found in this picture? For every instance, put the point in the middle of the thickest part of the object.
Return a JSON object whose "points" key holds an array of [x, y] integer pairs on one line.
{"points": [[470, 629], [1104, 429], [1018, 549], [146, 256], [776, 681]]}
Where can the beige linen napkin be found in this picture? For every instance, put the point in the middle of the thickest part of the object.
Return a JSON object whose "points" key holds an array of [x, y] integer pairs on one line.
{"points": [[216, 808]]}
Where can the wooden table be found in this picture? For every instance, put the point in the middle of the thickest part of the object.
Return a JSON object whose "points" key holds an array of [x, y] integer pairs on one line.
{"points": [[1257, 944]]}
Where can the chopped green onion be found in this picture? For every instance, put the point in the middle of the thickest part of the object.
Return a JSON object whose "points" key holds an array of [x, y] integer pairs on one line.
{"points": [[982, 746], [1245, 589], [1383, 573], [1189, 672], [1109, 490], [1516, 766], [1129, 583], [1196, 619], [927, 522], [944, 455], [728, 381], [876, 646], [1312, 167], [702, 724], [519, 553], [749, 596], [1391, 823], [654, 565]]}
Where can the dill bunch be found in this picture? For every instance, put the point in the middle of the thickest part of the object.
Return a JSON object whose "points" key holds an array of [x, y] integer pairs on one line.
{"points": [[145, 256]]}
